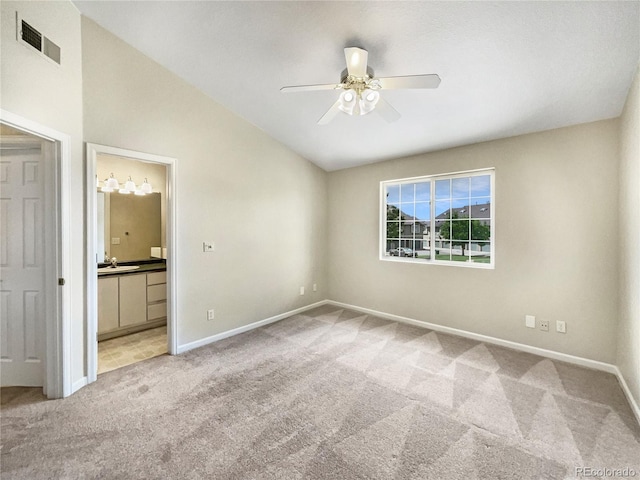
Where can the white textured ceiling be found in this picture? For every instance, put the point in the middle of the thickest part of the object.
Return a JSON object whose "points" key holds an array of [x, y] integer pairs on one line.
{"points": [[507, 68]]}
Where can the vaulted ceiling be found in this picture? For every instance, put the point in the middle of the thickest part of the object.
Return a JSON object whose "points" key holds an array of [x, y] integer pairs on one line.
{"points": [[507, 68]]}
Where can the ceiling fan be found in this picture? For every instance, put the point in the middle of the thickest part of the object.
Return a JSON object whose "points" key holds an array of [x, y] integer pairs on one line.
{"points": [[360, 88]]}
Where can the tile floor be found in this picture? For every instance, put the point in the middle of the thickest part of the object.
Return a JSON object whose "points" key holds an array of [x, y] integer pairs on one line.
{"points": [[123, 351]]}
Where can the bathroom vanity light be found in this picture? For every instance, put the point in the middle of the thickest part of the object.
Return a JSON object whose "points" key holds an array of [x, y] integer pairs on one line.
{"points": [[146, 187], [129, 185], [111, 184]]}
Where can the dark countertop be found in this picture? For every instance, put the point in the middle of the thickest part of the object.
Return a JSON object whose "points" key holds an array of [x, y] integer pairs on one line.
{"points": [[146, 266]]}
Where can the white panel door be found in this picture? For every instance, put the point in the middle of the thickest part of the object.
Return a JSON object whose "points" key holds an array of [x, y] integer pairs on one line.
{"points": [[23, 268]]}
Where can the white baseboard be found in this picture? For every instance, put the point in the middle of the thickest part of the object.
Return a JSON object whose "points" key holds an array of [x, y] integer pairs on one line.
{"points": [[584, 362], [260, 323], [627, 391], [78, 384]]}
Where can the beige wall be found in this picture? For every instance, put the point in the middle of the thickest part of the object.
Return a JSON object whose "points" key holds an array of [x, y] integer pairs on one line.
{"points": [[556, 227], [262, 205], [51, 95], [629, 241]]}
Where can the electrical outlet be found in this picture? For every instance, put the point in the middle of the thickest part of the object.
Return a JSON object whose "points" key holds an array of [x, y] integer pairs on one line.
{"points": [[207, 246], [301, 290], [561, 326], [544, 325], [210, 314], [315, 287], [530, 321]]}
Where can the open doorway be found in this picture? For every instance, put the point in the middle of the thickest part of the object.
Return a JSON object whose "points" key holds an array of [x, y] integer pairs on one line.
{"points": [[130, 286]]}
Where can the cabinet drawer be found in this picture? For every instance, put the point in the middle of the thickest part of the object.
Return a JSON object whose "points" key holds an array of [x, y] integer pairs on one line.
{"points": [[156, 278], [155, 293], [156, 311]]}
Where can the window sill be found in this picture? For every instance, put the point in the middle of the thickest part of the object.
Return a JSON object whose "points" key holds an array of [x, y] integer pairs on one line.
{"points": [[483, 266]]}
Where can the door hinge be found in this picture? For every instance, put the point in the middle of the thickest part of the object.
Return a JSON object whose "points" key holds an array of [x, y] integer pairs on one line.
{"points": [[61, 281]]}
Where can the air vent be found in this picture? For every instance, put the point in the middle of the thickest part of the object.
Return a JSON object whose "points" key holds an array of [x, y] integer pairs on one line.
{"points": [[27, 35], [51, 50], [31, 36]]}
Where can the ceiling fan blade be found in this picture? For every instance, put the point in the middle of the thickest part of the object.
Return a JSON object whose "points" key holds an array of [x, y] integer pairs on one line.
{"points": [[330, 115], [307, 88], [356, 61], [386, 111], [410, 81]]}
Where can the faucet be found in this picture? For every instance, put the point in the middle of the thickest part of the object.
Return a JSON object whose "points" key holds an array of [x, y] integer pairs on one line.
{"points": [[114, 262]]}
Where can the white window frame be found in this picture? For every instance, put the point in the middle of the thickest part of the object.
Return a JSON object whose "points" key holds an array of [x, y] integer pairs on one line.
{"points": [[432, 179]]}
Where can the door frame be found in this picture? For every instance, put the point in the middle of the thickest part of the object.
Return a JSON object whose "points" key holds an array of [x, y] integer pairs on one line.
{"points": [[57, 362], [92, 152]]}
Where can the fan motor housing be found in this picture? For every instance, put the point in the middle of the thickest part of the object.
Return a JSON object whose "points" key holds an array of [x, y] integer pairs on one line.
{"points": [[345, 74]]}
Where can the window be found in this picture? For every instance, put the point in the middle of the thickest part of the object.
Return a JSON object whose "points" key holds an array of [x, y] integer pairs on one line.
{"points": [[442, 219]]}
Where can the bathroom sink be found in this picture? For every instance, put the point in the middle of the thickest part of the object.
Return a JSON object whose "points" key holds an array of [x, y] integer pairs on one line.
{"points": [[122, 268]]}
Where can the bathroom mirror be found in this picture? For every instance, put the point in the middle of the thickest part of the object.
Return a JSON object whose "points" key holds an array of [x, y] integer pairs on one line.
{"points": [[129, 225]]}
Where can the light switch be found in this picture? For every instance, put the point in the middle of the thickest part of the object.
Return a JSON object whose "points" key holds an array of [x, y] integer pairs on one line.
{"points": [[530, 321], [115, 241]]}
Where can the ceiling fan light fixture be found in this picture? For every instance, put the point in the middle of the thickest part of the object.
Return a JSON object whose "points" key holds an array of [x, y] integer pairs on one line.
{"points": [[368, 101], [355, 58], [347, 102], [360, 88]]}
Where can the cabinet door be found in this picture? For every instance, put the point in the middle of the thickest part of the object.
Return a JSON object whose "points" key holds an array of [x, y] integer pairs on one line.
{"points": [[107, 304], [133, 299]]}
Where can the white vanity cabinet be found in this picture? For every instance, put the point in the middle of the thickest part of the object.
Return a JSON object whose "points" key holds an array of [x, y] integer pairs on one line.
{"points": [[132, 302]]}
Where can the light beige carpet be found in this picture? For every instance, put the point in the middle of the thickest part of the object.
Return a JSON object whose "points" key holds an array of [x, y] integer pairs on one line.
{"points": [[330, 394]]}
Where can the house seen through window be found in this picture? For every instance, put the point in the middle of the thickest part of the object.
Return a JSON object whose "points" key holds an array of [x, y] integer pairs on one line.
{"points": [[445, 219]]}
